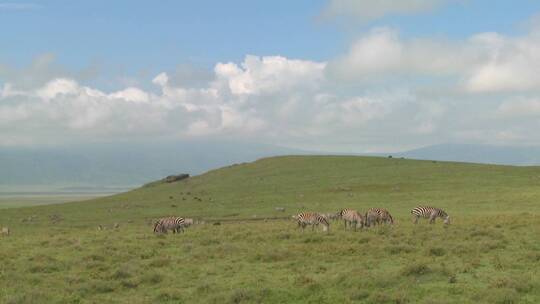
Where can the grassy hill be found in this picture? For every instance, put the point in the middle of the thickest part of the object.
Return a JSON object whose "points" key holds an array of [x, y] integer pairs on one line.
{"points": [[489, 254]]}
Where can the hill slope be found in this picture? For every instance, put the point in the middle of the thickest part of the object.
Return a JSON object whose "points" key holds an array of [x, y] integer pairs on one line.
{"points": [[489, 254], [322, 183]]}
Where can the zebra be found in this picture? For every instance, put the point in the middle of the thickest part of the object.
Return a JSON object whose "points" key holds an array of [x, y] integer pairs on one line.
{"points": [[340, 214], [378, 216], [176, 224], [311, 218], [352, 217], [430, 212]]}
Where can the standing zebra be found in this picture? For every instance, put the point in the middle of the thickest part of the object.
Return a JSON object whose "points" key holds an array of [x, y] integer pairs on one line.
{"points": [[352, 217], [378, 216], [431, 213], [176, 224], [311, 218]]}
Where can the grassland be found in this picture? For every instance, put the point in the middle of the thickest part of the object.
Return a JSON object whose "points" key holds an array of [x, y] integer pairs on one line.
{"points": [[490, 254]]}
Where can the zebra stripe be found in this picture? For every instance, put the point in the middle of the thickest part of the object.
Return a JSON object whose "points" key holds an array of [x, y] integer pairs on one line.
{"points": [[431, 213], [176, 224], [378, 216], [311, 218], [341, 213], [353, 218]]}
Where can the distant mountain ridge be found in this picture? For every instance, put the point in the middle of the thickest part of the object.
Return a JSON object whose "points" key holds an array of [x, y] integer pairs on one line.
{"points": [[131, 165], [110, 165]]}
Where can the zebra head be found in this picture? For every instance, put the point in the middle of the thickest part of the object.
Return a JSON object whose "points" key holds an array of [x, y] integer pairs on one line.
{"points": [[447, 220]]}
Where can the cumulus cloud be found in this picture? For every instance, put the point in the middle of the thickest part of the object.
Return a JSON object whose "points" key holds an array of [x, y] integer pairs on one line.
{"points": [[366, 10], [381, 53], [482, 63], [511, 64], [230, 103], [385, 93], [270, 74]]}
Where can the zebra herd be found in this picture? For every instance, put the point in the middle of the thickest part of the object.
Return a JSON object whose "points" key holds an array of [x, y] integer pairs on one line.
{"points": [[374, 216], [351, 219]]}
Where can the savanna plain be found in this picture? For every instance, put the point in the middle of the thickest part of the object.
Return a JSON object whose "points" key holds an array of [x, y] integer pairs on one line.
{"points": [[244, 250]]}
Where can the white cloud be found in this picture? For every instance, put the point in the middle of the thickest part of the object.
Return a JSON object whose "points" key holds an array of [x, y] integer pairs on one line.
{"points": [[384, 93], [366, 10], [511, 64], [381, 53], [131, 94], [58, 87], [269, 74], [238, 102], [483, 63]]}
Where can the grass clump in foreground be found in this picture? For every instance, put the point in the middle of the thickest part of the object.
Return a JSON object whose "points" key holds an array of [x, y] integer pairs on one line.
{"points": [[488, 255]]}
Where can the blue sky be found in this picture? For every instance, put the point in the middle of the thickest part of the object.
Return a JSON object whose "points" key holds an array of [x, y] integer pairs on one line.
{"points": [[134, 35], [143, 34], [334, 75]]}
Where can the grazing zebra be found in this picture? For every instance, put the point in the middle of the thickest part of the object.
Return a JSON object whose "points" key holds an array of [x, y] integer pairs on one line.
{"points": [[311, 218], [353, 217], [340, 214], [378, 216], [176, 224], [431, 213], [372, 218]]}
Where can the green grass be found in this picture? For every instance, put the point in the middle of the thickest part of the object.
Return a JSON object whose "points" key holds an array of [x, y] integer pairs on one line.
{"points": [[490, 254]]}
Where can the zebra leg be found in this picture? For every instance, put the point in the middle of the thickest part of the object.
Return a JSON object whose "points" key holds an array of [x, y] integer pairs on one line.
{"points": [[416, 219], [432, 218]]}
